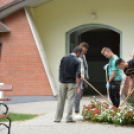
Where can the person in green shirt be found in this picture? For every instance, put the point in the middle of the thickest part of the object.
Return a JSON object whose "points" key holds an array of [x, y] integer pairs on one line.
{"points": [[115, 76]]}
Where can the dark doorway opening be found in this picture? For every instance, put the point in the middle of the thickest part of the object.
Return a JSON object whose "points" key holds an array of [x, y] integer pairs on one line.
{"points": [[97, 39]]}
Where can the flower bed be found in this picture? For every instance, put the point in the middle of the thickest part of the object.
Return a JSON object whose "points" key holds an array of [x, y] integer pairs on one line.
{"points": [[102, 112]]}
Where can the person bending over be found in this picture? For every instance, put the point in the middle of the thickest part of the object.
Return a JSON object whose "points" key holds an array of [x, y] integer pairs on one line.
{"points": [[128, 68]]}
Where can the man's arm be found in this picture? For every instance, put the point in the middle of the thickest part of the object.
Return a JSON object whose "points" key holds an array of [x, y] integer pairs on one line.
{"points": [[113, 76], [78, 80], [60, 68], [78, 77], [130, 85], [125, 86]]}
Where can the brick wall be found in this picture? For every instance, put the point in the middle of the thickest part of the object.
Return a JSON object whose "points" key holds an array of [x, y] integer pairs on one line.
{"points": [[4, 2], [20, 63]]}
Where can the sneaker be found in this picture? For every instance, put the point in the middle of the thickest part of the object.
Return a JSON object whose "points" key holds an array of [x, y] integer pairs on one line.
{"points": [[78, 117]]}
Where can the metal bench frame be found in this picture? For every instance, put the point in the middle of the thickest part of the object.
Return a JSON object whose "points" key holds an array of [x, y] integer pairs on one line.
{"points": [[9, 125]]}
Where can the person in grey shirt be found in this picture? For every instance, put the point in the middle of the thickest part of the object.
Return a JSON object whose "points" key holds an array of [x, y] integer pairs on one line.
{"points": [[69, 74], [84, 74]]}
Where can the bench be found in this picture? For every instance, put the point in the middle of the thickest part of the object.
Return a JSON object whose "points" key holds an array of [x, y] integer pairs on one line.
{"points": [[5, 115]]}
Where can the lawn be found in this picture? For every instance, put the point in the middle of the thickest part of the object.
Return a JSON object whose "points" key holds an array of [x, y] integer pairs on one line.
{"points": [[19, 117]]}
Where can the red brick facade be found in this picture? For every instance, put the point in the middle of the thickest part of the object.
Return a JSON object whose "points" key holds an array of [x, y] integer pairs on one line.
{"points": [[20, 63], [4, 2]]}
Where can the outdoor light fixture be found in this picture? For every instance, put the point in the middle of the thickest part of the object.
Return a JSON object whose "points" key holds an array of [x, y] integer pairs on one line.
{"points": [[93, 15]]}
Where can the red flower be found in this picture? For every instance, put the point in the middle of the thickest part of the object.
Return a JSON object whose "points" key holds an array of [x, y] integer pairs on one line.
{"points": [[96, 111], [124, 118], [94, 114], [90, 110], [99, 111], [126, 114], [106, 107], [129, 119], [113, 107]]}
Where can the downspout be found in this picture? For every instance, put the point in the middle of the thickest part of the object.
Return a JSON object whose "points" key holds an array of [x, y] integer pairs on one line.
{"points": [[41, 49]]}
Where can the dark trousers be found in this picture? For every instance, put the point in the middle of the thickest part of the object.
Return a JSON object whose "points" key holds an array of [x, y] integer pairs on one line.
{"points": [[78, 98], [115, 93]]}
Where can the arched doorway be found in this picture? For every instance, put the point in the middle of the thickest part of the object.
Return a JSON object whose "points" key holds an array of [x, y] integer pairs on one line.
{"points": [[97, 36]]}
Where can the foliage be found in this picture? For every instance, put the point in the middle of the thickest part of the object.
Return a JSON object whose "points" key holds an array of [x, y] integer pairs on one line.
{"points": [[130, 101], [102, 112]]}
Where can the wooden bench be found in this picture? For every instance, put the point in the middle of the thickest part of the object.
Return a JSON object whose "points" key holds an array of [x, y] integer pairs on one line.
{"points": [[5, 115]]}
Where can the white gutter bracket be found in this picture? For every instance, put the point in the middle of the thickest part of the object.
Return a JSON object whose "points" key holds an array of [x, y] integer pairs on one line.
{"points": [[3, 27]]}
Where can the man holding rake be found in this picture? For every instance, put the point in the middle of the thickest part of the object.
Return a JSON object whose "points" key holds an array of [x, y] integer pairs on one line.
{"points": [[115, 76]]}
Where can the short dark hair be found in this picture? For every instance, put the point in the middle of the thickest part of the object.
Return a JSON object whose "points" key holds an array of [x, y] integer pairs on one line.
{"points": [[77, 49], [84, 44], [119, 61]]}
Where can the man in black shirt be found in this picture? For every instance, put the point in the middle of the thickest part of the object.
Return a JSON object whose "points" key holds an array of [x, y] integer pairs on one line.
{"points": [[128, 68], [69, 74]]}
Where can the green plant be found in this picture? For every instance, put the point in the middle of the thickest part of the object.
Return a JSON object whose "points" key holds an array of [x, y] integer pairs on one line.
{"points": [[102, 112], [131, 101]]}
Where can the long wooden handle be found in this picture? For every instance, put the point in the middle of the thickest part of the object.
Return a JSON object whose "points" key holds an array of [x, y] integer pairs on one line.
{"points": [[126, 98], [107, 88], [97, 91]]}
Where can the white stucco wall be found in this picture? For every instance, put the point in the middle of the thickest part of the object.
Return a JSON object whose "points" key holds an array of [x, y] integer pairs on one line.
{"points": [[57, 17]]}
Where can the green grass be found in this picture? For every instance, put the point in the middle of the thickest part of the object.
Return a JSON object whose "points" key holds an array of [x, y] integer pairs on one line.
{"points": [[19, 117]]}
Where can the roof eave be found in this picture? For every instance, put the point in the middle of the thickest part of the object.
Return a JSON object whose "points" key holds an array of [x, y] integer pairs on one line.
{"points": [[18, 4]]}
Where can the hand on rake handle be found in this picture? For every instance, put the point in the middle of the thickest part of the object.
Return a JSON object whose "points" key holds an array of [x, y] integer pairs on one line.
{"points": [[105, 67], [108, 85]]}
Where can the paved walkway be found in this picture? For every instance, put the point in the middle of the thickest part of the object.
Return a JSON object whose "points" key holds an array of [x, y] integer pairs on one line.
{"points": [[43, 124]]}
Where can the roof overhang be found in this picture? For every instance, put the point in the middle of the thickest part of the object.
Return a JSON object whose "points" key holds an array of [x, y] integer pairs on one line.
{"points": [[38, 3], [4, 28], [18, 4], [15, 6]]}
